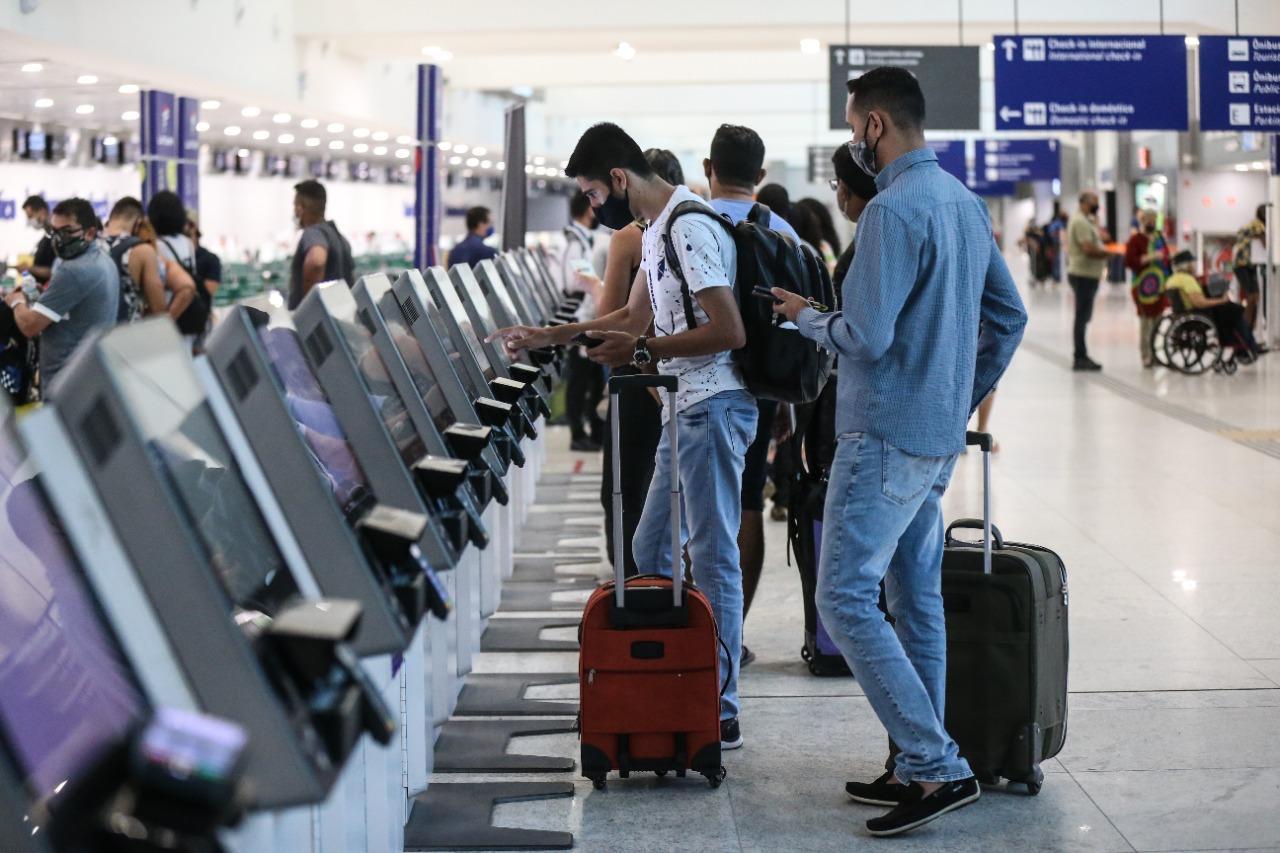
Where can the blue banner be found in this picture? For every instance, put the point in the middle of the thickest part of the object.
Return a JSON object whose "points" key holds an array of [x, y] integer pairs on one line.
{"points": [[188, 135], [1240, 83], [951, 156], [1018, 159], [160, 133], [983, 187], [1089, 82], [1275, 154]]}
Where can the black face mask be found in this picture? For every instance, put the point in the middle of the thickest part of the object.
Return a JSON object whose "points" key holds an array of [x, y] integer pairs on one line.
{"points": [[616, 212], [68, 246]]}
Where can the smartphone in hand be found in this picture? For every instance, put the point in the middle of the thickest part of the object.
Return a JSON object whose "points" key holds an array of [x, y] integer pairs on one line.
{"points": [[584, 340]]}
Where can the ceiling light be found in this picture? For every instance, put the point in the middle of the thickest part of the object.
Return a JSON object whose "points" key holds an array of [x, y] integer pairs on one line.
{"points": [[436, 53], [402, 153], [336, 127], [528, 170], [479, 151], [43, 103], [444, 146], [309, 123], [810, 45], [486, 164], [461, 149], [360, 148], [128, 89], [1259, 165], [33, 68], [455, 161], [337, 145], [84, 109], [1241, 167], [231, 130], [360, 132], [522, 91], [87, 79], [129, 115], [285, 138], [243, 152], [251, 112], [261, 134], [564, 164], [990, 46], [282, 118], [110, 140], [500, 166], [473, 161], [409, 140], [313, 141], [210, 104], [380, 150], [381, 136], [539, 160], [1192, 41], [202, 126], [625, 51]]}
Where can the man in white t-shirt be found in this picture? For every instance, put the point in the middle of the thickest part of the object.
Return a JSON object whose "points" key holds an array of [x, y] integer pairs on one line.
{"points": [[716, 415]]}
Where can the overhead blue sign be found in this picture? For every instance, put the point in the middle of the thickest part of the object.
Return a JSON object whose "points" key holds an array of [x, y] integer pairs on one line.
{"points": [[1086, 82], [983, 187], [1240, 83], [159, 124], [1018, 159], [951, 156]]}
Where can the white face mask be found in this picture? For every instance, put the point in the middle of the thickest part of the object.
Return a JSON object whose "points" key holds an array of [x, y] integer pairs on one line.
{"points": [[34, 224]]}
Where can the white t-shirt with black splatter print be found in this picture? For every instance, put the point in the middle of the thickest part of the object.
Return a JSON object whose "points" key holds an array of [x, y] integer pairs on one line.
{"points": [[709, 259]]}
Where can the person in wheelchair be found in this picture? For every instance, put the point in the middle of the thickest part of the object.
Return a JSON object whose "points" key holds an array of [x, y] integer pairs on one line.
{"points": [[1227, 316]]}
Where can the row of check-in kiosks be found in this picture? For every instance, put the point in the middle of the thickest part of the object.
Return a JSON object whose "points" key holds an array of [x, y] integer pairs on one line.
{"points": [[274, 560]]}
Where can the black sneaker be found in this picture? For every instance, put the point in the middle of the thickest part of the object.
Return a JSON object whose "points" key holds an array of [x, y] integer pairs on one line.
{"points": [[881, 792], [730, 734], [748, 657], [1085, 364], [584, 445], [917, 811]]}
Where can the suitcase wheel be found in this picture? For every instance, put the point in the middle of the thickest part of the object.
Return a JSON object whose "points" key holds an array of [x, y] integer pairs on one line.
{"points": [[660, 773], [714, 779], [599, 783]]}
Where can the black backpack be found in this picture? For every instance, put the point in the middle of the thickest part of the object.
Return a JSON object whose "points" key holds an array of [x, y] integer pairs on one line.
{"points": [[344, 264], [777, 362], [194, 320], [131, 302]]}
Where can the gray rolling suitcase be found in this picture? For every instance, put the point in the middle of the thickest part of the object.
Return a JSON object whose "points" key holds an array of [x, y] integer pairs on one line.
{"points": [[1006, 610]]}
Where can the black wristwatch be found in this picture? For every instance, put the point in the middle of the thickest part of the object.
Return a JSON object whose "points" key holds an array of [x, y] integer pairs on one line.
{"points": [[642, 356]]}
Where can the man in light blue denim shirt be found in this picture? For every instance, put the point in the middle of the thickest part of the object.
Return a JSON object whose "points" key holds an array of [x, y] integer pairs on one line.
{"points": [[930, 321]]}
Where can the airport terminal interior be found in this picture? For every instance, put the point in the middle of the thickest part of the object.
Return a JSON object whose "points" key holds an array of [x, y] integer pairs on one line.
{"points": [[310, 519]]}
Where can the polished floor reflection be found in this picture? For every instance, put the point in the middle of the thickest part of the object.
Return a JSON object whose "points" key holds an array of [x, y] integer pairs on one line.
{"points": [[1170, 529]]}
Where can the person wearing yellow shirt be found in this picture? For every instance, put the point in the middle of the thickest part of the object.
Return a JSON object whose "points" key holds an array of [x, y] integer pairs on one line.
{"points": [[1228, 316]]}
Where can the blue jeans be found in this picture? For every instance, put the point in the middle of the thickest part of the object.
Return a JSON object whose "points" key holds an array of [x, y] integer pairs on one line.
{"points": [[714, 435], [883, 520]]}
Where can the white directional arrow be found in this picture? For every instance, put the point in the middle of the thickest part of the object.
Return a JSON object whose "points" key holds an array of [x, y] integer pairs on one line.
{"points": [[1006, 113], [1008, 45], [839, 56]]}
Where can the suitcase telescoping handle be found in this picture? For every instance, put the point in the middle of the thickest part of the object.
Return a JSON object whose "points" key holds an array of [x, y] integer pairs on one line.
{"points": [[670, 384], [990, 533]]}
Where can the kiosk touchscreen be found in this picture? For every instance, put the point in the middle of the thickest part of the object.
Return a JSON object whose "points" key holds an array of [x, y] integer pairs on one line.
{"points": [[539, 256], [439, 389], [427, 396], [484, 375], [518, 293], [67, 692], [543, 289], [324, 494], [408, 469], [505, 312], [229, 604], [482, 320], [443, 344]]}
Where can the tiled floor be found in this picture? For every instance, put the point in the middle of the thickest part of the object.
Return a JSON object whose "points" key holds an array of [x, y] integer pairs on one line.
{"points": [[1171, 534]]}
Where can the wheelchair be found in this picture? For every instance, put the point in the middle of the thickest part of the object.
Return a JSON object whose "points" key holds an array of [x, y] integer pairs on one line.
{"points": [[1188, 342]]}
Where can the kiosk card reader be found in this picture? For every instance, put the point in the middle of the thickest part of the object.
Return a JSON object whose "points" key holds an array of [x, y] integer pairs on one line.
{"points": [[484, 376], [408, 469], [226, 598], [482, 320], [433, 405], [438, 338], [324, 494]]}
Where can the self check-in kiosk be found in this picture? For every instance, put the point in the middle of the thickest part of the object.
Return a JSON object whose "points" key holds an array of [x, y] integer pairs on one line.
{"points": [[477, 309], [252, 647], [356, 547], [428, 397], [505, 313], [457, 320], [406, 471]]}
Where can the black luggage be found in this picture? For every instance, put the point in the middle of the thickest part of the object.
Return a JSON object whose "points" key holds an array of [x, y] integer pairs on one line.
{"points": [[1006, 610]]}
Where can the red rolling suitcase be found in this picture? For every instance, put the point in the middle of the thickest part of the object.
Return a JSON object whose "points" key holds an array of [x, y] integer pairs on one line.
{"points": [[649, 676]]}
